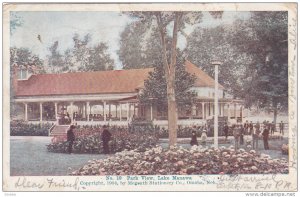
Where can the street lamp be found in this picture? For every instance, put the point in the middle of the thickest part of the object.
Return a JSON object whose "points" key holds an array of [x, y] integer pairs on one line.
{"points": [[216, 114]]}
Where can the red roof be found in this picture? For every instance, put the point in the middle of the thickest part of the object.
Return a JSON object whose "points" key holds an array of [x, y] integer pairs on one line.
{"points": [[113, 81]]}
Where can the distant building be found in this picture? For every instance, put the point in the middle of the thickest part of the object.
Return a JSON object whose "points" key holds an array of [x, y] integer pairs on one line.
{"points": [[99, 97]]}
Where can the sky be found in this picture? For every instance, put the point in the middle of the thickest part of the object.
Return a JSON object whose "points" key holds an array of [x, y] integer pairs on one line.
{"points": [[102, 26]]}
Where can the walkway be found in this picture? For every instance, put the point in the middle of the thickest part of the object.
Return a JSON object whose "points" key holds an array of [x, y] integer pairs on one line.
{"points": [[29, 157]]}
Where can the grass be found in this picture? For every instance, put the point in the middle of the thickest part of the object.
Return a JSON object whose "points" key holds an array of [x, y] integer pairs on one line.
{"points": [[29, 156]]}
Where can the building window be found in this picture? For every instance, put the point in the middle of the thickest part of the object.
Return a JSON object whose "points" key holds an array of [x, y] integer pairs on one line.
{"points": [[22, 74]]}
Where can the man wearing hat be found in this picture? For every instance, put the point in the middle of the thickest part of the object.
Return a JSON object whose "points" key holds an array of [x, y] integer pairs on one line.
{"points": [[105, 137]]}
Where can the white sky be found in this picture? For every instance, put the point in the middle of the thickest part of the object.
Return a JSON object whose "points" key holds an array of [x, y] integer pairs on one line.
{"points": [[102, 26]]}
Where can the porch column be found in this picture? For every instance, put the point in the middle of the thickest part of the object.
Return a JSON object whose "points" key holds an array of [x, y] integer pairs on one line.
{"points": [[223, 108], [120, 111], [194, 110], [41, 112], [134, 109], [109, 111], [71, 106], [83, 111], [151, 112], [86, 111], [55, 108], [104, 110], [127, 106], [235, 114], [116, 110], [26, 112], [226, 107], [220, 109], [242, 113], [203, 105]]}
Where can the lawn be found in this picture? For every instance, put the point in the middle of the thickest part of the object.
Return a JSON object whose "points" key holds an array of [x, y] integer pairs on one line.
{"points": [[29, 156]]}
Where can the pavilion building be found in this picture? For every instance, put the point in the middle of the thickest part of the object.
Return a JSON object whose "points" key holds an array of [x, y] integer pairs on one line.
{"points": [[111, 97]]}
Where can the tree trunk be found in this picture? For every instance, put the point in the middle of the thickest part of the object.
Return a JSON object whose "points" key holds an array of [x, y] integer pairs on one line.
{"points": [[170, 75]]}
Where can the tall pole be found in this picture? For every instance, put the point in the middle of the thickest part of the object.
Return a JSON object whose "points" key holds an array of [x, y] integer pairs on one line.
{"points": [[216, 114]]}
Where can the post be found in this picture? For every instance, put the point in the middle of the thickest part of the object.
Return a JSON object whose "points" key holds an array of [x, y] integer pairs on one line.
{"points": [[41, 112], [203, 110], [104, 110], [120, 111], [242, 113], [86, 111], [109, 111], [235, 114], [134, 109], [216, 105], [55, 109], [151, 112], [127, 106], [71, 106], [116, 110], [26, 112]]}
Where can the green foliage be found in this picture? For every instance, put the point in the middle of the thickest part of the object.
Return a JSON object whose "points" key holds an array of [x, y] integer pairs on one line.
{"points": [[120, 141], [205, 45], [267, 44], [15, 22], [155, 90], [139, 46], [23, 56], [81, 57], [20, 128]]}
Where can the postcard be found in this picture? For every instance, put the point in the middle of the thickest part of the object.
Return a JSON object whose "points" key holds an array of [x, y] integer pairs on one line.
{"points": [[150, 97]]}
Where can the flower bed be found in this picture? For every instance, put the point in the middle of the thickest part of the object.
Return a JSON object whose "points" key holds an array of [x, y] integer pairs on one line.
{"points": [[93, 145], [20, 128], [180, 161]]}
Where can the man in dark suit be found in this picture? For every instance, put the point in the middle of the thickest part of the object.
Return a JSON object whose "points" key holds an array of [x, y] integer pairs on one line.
{"points": [[226, 130], [105, 137], [265, 135], [281, 127], [70, 138]]}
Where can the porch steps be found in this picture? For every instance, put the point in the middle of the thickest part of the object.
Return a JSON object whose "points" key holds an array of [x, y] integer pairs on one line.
{"points": [[59, 130]]}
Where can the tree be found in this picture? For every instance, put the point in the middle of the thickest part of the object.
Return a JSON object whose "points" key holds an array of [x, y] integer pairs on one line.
{"points": [[55, 59], [15, 22], [177, 20], [266, 41], [81, 57], [155, 90], [99, 59], [207, 44], [139, 46]]}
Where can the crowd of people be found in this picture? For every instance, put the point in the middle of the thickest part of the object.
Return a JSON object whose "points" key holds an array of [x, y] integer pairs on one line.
{"points": [[255, 131], [239, 131]]}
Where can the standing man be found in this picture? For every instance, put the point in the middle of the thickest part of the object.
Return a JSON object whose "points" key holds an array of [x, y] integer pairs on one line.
{"points": [[251, 128], [266, 138], [236, 134], [105, 137], [281, 127], [272, 128], [246, 126], [242, 132], [70, 138], [257, 126], [226, 129], [255, 137]]}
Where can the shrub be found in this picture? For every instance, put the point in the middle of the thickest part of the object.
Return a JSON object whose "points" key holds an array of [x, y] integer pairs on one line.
{"points": [[180, 161], [121, 140], [21, 128]]}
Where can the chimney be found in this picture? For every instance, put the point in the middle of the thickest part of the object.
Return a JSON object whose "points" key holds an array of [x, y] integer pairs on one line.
{"points": [[15, 78]]}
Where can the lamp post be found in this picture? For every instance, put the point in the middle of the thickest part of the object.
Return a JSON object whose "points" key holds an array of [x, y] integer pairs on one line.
{"points": [[216, 114]]}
